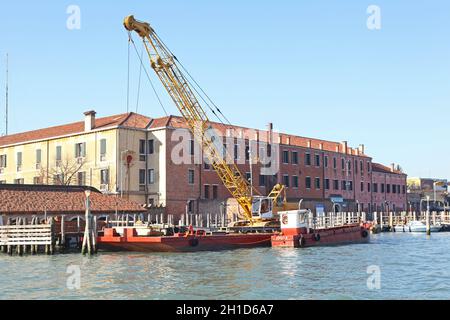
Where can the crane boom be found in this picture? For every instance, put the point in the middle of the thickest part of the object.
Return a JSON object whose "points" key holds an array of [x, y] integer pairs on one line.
{"points": [[164, 63], [165, 66]]}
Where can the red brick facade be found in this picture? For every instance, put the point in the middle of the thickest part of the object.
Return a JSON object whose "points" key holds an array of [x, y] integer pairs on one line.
{"points": [[321, 173]]}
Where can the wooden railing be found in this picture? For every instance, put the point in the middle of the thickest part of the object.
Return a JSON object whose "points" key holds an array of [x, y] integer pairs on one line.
{"points": [[23, 238]]}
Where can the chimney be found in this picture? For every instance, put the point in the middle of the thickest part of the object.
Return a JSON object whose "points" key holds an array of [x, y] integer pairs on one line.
{"points": [[362, 149], [270, 132], [344, 147], [308, 143], [89, 120], [393, 167], [321, 146], [270, 127]]}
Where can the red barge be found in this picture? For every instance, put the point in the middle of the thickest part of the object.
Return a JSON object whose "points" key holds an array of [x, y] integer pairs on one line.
{"points": [[129, 240], [300, 230]]}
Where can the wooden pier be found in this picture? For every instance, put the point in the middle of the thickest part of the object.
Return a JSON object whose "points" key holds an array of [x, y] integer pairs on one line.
{"points": [[22, 239]]}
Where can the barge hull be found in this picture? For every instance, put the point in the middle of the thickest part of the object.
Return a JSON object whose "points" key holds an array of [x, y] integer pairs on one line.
{"points": [[181, 243], [325, 237]]}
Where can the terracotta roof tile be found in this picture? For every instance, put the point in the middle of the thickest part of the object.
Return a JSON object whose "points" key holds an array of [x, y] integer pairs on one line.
{"points": [[31, 199], [178, 122], [126, 119], [377, 167]]}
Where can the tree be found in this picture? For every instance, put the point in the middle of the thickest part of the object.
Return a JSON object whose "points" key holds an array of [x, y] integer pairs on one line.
{"points": [[64, 173]]}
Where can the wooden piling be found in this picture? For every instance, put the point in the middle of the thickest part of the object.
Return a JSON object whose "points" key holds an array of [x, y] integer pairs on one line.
{"points": [[427, 218]]}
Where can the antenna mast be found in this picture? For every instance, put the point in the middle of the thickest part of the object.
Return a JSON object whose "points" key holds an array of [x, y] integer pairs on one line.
{"points": [[6, 106]]}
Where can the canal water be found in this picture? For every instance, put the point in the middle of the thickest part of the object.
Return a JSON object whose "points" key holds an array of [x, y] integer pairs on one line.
{"points": [[408, 266]]}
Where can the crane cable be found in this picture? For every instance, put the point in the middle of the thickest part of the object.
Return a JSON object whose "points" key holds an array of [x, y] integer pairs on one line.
{"points": [[146, 73], [196, 83]]}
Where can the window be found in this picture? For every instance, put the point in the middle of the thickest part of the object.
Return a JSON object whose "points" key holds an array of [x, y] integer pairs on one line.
{"points": [[327, 184], [19, 161], [19, 181], [191, 177], [368, 187], [343, 164], [362, 186], [361, 166], [150, 146], [307, 159], [206, 187], [37, 180], [58, 179], [151, 176], [350, 185], [388, 188], [191, 147], [38, 158], [248, 176], [334, 163], [102, 149], [295, 182], [141, 150], [190, 206], [286, 180], [294, 157], [104, 176], [317, 183], [81, 178], [325, 160], [317, 160], [80, 150], [206, 165], [308, 182], [247, 153], [382, 188], [236, 152], [368, 167], [2, 162], [262, 180], [356, 166], [215, 192], [404, 190], [141, 179], [344, 185], [336, 184], [398, 189], [375, 187], [58, 155], [285, 157]]}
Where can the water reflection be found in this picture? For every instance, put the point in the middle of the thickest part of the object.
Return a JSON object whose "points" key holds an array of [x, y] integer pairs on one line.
{"points": [[412, 267]]}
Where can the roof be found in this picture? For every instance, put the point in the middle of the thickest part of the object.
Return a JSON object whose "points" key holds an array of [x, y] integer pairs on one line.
{"points": [[134, 120], [130, 119], [178, 122], [377, 167], [33, 199]]}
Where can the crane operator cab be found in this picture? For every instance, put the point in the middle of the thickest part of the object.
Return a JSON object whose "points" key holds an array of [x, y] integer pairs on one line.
{"points": [[262, 208]]}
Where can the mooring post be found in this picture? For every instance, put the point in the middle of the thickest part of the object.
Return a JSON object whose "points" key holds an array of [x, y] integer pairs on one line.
{"points": [[427, 218], [87, 234], [63, 235], [391, 221]]}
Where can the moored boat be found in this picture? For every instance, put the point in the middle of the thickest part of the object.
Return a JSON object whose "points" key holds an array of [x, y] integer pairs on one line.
{"points": [[298, 231], [417, 226], [180, 242]]}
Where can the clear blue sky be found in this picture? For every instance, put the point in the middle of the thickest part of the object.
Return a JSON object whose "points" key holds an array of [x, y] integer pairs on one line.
{"points": [[313, 68]]}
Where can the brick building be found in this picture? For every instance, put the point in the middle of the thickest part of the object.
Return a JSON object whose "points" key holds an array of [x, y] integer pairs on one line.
{"points": [[155, 162]]}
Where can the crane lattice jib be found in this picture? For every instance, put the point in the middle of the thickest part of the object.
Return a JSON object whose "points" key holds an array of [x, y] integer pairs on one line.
{"points": [[165, 66]]}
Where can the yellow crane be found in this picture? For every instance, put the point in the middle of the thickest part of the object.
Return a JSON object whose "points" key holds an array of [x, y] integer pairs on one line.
{"points": [[165, 64]]}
